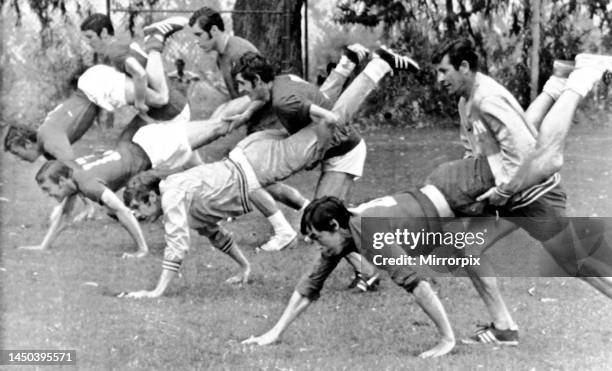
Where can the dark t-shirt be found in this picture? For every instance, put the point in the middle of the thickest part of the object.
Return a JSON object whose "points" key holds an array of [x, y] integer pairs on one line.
{"points": [[111, 169], [291, 98], [412, 208], [65, 125]]}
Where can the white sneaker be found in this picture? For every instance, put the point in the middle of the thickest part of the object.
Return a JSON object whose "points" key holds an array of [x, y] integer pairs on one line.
{"points": [[589, 70], [280, 241]]}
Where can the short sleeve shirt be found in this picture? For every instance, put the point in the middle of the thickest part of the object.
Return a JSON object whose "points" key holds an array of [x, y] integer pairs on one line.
{"points": [[111, 169]]}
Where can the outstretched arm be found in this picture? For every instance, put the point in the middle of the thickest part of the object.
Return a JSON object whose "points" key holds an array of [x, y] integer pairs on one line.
{"points": [[164, 281], [237, 117], [128, 221], [297, 305], [58, 223]]}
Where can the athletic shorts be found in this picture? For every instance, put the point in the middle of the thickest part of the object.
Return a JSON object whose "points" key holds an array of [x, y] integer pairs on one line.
{"points": [[222, 194], [104, 86], [166, 145], [238, 157], [461, 182], [351, 162]]}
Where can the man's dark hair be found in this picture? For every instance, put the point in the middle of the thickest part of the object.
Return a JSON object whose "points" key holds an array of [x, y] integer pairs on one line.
{"points": [[252, 64], [458, 51], [53, 170], [19, 135], [139, 186], [207, 18], [97, 22], [320, 213]]}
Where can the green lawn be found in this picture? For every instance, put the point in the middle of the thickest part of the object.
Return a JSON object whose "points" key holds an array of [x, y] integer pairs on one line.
{"points": [[50, 300]]}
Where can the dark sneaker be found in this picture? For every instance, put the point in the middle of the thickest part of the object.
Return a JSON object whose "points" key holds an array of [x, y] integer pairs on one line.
{"points": [[368, 284], [488, 334], [356, 53], [396, 61], [355, 281], [166, 27]]}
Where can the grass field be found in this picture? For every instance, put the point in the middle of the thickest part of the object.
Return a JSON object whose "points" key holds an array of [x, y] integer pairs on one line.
{"points": [[49, 301]]}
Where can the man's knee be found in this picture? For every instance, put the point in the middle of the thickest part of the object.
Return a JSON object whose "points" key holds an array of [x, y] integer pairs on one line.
{"points": [[220, 238]]}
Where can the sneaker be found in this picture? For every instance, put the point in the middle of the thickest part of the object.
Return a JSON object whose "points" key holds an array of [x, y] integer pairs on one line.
{"points": [[166, 27], [280, 241], [355, 281], [396, 61], [590, 69], [601, 62], [607, 77], [488, 334], [356, 53], [562, 68], [365, 284]]}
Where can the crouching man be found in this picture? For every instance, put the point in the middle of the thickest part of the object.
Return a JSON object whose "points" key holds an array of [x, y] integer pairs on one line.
{"points": [[338, 231]]}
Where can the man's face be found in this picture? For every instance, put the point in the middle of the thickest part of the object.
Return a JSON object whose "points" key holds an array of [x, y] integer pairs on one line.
{"points": [[332, 242], [257, 90], [205, 40], [449, 77], [59, 190], [149, 210], [97, 43]]}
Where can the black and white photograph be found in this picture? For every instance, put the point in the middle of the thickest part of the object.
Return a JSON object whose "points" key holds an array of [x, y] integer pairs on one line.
{"points": [[306, 185]]}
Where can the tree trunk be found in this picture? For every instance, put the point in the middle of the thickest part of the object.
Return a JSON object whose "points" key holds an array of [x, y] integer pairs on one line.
{"points": [[535, 48], [267, 31]]}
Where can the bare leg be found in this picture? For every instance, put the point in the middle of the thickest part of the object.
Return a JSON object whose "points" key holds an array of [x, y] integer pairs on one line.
{"points": [[287, 195], [483, 276], [602, 284], [431, 305], [157, 76], [538, 109]]}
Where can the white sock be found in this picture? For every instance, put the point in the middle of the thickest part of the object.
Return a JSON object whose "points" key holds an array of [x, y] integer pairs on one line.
{"points": [[279, 223], [377, 69], [555, 86], [344, 66]]}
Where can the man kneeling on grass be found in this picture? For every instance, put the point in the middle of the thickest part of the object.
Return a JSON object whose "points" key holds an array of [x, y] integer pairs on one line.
{"points": [[338, 231]]}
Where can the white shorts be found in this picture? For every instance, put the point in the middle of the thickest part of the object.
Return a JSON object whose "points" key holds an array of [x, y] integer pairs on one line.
{"points": [[104, 86], [351, 162], [166, 145]]}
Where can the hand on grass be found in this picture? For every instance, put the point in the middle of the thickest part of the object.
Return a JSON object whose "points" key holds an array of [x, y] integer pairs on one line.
{"points": [[32, 248], [134, 255], [143, 294], [240, 278], [265, 339]]}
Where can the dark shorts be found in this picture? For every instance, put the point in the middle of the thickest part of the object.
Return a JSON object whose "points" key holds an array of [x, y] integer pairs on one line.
{"points": [[544, 219], [461, 182]]}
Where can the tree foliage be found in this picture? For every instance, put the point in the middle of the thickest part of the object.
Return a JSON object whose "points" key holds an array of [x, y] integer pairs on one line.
{"points": [[267, 31], [499, 29]]}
